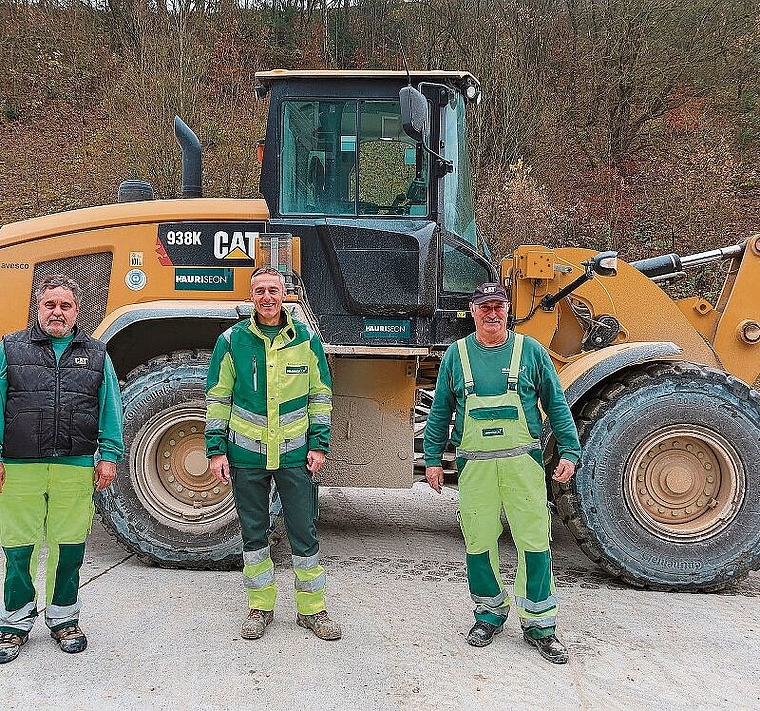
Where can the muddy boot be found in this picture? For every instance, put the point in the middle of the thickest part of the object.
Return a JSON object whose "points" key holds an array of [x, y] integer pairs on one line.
{"points": [[550, 648], [10, 644], [254, 625], [320, 624], [70, 639], [482, 633]]}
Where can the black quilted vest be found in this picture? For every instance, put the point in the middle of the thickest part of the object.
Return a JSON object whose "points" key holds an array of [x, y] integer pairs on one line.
{"points": [[51, 410]]}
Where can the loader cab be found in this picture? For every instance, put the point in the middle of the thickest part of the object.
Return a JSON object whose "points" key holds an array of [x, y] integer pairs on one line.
{"points": [[388, 240]]}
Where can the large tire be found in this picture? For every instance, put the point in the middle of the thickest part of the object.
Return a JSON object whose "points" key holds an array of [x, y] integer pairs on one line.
{"points": [[668, 492], [165, 505]]}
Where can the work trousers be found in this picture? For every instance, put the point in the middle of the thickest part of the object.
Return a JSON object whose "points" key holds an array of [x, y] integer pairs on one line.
{"points": [[515, 485], [51, 502], [300, 504]]}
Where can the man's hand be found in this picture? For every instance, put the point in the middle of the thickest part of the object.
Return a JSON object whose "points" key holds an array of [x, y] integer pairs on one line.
{"points": [[315, 460], [105, 472], [564, 471], [2, 477], [220, 468], [434, 476]]}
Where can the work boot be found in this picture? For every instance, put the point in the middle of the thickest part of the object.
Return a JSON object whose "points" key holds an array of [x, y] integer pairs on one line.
{"points": [[254, 625], [320, 624], [70, 639], [10, 644], [550, 648], [482, 633]]}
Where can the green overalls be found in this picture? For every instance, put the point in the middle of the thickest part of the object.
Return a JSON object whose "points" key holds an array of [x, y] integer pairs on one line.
{"points": [[497, 471]]}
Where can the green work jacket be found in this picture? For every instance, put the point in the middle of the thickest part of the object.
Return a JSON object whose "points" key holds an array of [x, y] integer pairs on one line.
{"points": [[268, 401]]}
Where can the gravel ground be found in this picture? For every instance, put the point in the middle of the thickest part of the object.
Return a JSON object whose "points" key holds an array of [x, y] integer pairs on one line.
{"points": [[169, 639]]}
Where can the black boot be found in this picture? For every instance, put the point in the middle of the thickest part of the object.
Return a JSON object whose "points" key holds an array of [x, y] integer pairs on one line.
{"points": [[482, 633], [549, 647]]}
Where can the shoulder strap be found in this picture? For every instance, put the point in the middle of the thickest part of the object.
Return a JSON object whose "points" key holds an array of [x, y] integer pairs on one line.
{"points": [[469, 383], [514, 364]]}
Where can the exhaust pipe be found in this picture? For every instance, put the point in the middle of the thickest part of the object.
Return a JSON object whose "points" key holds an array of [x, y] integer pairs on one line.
{"points": [[191, 159]]}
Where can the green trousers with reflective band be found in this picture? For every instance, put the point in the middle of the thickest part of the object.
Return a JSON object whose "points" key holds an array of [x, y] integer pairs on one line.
{"points": [[517, 486], [300, 504], [51, 502]]}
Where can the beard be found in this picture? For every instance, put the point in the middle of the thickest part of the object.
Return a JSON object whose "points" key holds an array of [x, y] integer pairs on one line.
{"points": [[56, 328]]}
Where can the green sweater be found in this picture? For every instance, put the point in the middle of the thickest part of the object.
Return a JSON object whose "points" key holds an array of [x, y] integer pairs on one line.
{"points": [[110, 438], [537, 382]]}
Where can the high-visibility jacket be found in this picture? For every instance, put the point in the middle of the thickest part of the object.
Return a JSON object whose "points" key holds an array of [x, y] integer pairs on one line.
{"points": [[268, 402]]}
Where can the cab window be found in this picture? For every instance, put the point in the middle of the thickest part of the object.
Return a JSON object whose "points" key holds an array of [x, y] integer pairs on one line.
{"points": [[348, 157]]}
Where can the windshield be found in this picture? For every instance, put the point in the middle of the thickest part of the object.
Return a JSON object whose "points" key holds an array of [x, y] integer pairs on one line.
{"points": [[457, 186], [348, 157]]}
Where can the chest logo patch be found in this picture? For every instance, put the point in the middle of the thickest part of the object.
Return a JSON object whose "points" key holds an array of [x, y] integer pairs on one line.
{"points": [[296, 369], [81, 361], [493, 432]]}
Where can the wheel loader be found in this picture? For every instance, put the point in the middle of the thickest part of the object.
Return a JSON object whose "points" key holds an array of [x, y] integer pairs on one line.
{"points": [[367, 211]]}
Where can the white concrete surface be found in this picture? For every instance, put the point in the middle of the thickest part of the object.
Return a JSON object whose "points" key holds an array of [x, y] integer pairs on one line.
{"points": [[169, 639]]}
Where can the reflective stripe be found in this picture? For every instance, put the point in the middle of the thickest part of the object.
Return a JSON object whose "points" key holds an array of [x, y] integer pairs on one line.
{"points": [[218, 400], [319, 419], [248, 416], [250, 444], [500, 611], [58, 614], [306, 562], [514, 452], [537, 607], [294, 416], [259, 581], [227, 333], [290, 444], [320, 397], [495, 601], [253, 557], [21, 619], [217, 425], [539, 622], [311, 585]]}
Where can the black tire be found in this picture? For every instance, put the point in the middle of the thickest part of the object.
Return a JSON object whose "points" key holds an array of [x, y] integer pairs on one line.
{"points": [[668, 492], [164, 504]]}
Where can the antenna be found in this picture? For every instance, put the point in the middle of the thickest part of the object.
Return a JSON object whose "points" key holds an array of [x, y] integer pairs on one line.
{"points": [[403, 56]]}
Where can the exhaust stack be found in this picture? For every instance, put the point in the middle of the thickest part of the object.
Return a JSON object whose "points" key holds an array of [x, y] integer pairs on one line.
{"points": [[191, 159]]}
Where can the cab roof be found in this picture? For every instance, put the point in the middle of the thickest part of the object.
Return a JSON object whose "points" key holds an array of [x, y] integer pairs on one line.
{"points": [[275, 75]]}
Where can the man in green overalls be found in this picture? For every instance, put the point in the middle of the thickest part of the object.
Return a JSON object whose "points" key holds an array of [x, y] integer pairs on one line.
{"points": [[494, 380]]}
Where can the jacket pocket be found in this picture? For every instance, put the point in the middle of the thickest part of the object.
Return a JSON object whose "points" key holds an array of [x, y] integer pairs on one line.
{"points": [[22, 435]]}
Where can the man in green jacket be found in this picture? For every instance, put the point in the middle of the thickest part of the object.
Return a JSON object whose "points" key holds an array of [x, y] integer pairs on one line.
{"points": [[59, 404], [494, 380], [268, 405]]}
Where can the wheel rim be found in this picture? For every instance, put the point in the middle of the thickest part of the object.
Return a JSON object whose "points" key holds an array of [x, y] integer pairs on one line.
{"points": [[171, 472], [684, 483]]}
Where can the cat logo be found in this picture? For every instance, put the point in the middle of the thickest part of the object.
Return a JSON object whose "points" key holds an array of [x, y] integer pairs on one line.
{"points": [[81, 361], [238, 246]]}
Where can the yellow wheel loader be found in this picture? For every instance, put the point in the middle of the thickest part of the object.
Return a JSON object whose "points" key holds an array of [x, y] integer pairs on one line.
{"points": [[368, 213]]}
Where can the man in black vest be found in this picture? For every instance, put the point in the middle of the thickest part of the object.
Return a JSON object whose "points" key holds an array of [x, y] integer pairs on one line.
{"points": [[59, 405]]}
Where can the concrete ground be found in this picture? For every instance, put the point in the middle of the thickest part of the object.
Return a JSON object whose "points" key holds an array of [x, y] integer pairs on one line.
{"points": [[169, 639]]}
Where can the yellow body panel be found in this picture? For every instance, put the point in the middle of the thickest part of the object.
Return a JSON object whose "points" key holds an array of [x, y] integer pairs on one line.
{"points": [[127, 230]]}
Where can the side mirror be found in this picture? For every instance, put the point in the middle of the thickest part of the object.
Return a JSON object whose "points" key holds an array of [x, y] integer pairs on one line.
{"points": [[414, 108], [605, 264]]}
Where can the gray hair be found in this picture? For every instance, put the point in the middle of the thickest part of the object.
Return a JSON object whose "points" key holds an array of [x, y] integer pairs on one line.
{"points": [[54, 281], [273, 272]]}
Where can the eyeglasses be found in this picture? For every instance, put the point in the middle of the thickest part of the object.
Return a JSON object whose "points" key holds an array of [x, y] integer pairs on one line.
{"points": [[488, 307]]}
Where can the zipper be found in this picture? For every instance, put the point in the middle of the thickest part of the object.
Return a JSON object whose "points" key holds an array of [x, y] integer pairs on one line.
{"points": [[57, 406], [255, 376]]}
